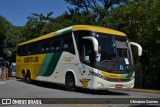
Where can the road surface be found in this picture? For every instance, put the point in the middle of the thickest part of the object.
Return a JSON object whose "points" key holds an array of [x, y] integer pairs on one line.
{"points": [[57, 96]]}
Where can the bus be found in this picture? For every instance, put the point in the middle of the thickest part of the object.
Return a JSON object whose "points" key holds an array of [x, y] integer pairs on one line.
{"points": [[83, 56]]}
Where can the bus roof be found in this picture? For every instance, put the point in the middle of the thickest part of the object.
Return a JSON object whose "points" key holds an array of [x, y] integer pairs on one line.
{"points": [[97, 29], [76, 28]]}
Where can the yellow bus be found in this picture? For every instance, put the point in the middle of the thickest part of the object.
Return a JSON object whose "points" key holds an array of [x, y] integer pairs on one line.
{"points": [[79, 56]]}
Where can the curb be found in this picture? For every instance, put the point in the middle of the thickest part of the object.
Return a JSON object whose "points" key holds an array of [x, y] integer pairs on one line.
{"points": [[142, 90]]}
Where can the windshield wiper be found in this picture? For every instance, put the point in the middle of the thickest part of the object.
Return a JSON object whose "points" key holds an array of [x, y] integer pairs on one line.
{"points": [[105, 61], [115, 60]]}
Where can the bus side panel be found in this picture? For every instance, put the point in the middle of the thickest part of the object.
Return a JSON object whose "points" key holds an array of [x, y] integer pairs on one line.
{"points": [[49, 67], [68, 63], [81, 72], [31, 63], [18, 66]]}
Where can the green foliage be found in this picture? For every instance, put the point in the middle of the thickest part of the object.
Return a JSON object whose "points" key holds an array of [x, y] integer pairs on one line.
{"points": [[139, 19], [36, 25], [97, 9], [9, 38], [3, 31]]}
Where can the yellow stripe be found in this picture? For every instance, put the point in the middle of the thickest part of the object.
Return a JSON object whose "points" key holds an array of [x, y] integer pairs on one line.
{"points": [[79, 27], [97, 29], [110, 75], [39, 38]]}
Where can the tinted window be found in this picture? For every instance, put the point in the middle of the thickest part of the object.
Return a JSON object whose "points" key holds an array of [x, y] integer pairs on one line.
{"points": [[68, 43], [79, 41]]}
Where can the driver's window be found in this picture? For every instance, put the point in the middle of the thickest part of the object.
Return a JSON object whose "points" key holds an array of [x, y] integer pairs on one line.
{"points": [[88, 54]]}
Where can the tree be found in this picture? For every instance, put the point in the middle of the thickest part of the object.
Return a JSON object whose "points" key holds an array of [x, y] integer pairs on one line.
{"points": [[98, 8], [140, 21], [9, 38], [35, 26]]}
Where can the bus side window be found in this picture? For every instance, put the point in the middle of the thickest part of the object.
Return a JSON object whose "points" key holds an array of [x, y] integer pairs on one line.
{"points": [[68, 43], [56, 44], [43, 46], [30, 49], [34, 48], [24, 50], [19, 52], [88, 54]]}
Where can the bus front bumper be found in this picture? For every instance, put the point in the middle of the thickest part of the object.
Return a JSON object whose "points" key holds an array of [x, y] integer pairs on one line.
{"points": [[101, 84]]}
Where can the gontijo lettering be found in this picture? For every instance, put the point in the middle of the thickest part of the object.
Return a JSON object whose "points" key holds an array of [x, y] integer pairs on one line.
{"points": [[31, 59]]}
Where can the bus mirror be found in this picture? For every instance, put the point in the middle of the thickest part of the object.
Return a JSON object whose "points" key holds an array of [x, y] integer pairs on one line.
{"points": [[99, 48], [138, 46], [94, 41]]}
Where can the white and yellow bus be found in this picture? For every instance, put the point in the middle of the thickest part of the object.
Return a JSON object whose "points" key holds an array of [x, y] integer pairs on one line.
{"points": [[79, 56]]}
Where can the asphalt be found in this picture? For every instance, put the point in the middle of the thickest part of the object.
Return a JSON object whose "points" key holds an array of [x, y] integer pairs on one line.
{"points": [[2, 82], [134, 89]]}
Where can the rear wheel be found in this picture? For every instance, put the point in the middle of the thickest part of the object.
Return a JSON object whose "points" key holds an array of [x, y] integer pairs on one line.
{"points": [[70, 82], [28, 77], [23, 77]]}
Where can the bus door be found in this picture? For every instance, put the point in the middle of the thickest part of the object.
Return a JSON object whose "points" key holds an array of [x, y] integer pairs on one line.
{"points": [[87, 58]]}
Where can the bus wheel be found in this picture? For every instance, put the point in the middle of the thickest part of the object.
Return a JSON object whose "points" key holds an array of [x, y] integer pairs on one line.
{"points": [[23, 77], [28, 77], [70, 82]]}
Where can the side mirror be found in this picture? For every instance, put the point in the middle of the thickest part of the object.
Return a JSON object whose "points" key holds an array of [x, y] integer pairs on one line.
{"points": [[138, 46], [99, 48], [94, 41]]}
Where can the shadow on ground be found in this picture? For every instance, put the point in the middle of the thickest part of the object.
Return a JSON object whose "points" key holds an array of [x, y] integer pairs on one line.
{"points": [[80, 90]]}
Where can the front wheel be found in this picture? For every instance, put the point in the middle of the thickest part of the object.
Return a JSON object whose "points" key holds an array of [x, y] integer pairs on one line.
{"points": [[70, 83], [23, 77], [28, 77]]}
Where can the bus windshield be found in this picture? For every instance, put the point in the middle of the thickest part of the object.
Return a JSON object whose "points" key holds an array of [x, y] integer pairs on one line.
{"points": [[114, 50], [107, 46], [112, 46]]}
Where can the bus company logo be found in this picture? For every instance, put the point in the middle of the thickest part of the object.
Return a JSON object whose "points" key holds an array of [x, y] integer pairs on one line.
{"points": [[31, 59], [6, 101], [68, 59], [84, 82]]}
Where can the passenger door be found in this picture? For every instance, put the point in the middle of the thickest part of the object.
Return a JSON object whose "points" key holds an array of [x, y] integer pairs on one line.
{"points": [[87, 63]]}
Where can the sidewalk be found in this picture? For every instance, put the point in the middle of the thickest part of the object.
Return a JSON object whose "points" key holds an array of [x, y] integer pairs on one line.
{"points": [[145, 90], [141, 90]]}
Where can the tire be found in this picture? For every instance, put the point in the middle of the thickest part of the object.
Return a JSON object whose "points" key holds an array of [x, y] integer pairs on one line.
{"points": [[23, 77], [28, 77], [70, 83]]}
